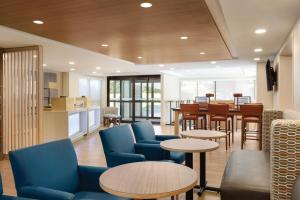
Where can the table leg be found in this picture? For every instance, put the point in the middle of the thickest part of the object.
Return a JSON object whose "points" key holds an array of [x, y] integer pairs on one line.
{"points": [[203, 184], [176, 123], [189, 163]]}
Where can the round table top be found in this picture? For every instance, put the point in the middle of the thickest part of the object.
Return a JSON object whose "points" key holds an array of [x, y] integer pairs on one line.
{"points": [[148, 180], [203, 134], [189, 145]]}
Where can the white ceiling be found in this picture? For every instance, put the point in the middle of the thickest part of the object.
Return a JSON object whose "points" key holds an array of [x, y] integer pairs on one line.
{"points": [[236, 19]]}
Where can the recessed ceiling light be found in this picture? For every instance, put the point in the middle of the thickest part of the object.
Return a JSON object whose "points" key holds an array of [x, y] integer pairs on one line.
{"points": [[258, 50], [146, 5], [104, 45], [256, 59], [172, 68], [71, 62], [98, 68], [38, 22], [72, 69], [161, 65], [44, 65], [184, 37], [94, 72], [34, 56], [140, 57], [260, 31], [118, 71], [213, 62], [202, 53]]}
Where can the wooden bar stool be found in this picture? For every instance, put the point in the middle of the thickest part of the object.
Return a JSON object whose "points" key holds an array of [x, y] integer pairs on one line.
{"points": [[219, 113], [190, 113], [251, 113]]}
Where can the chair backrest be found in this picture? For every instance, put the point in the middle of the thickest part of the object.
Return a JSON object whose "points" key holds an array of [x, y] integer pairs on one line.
{"points": [[189, 109], [203, 106], [143, 131], [251, 110], [1, 189], [117, 139], [218, 109], [110, 110], [201, 99], [53, 165], [243, 100]]}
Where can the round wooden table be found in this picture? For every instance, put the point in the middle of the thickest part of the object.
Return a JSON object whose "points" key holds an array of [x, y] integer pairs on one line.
{"points": [[203, 134], [148, 180], [190, 146]]}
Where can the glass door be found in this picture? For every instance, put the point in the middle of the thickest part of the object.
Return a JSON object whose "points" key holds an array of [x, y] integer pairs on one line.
{"points": [[126, 100]]}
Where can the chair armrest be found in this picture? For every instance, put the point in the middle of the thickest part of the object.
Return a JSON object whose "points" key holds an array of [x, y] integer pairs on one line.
{"points": [[166, 137], [115, 159], [152, 151], [44, 193], [89, 178], [149, 142]]}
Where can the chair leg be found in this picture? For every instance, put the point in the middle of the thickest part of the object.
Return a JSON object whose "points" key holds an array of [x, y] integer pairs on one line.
{"points": [[227, 134], [260, 136], [232, 129], [242, 134]]}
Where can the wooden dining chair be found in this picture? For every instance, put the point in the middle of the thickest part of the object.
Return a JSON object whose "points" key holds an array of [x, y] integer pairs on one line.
{"points": [[219, 113], [190, 113], [203, 117], [251, 113]]}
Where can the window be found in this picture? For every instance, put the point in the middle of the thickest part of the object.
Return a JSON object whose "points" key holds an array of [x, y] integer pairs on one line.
{"points": [[223, 89], [90, 88]]}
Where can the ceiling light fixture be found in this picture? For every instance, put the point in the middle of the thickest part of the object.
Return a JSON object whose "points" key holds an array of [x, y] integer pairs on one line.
{"points": [[256, 59], [213, 62], [118, 71], [38, 22], [172, 68], [44, 65], [104, 45], [161, 65], [71, 62], [184, 37], [72, 69], [146, 5], [34, 56], [202, 53], [140, 57], [258, 50], [94, 72], [260, 31], [98, 68]]}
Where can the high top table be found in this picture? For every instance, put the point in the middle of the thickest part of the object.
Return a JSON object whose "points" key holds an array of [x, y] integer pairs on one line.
{"points": [[148, 180], [190, 146]]}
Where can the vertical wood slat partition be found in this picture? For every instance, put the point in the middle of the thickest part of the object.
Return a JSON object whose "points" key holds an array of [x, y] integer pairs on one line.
{"points": [[21, 98]]}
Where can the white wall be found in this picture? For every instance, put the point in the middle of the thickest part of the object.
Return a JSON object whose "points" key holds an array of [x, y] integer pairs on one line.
{"points": [[296, 65], [170, 86], [262, 94]]}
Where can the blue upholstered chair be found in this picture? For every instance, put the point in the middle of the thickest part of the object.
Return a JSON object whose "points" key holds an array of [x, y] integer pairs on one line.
{"points": [[5, 197], [51, 172], [144, 133], [119, 147]]}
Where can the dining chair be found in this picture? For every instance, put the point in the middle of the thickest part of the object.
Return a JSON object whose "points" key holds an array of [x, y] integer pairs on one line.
{"points": [[190, 113], [119, 147], [50, 171], [144, 133], [219, 113], [241, 101], [251, 113]]}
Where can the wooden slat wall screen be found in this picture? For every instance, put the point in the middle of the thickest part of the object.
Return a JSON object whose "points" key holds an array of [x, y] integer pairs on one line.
{"points": [[21, 81]]}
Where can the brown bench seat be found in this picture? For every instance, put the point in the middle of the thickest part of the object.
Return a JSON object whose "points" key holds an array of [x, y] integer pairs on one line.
{"points": [[246, 176]]}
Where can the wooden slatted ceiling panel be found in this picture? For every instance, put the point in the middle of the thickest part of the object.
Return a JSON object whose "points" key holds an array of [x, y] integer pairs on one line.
{"points": [[21, 98], [130, 30]]}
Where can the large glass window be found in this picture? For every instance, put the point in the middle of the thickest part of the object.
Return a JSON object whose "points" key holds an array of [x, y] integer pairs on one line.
{"points": [[223, 89], [140, 97], [90, 88]]}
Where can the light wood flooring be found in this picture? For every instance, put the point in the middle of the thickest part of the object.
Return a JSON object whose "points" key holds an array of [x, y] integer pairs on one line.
{"points": [[89, 152]]}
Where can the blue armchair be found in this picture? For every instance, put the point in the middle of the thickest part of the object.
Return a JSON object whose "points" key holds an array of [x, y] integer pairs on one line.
{"points": [[119, 147], [51, 171], [144, 133], [5, 197]]}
